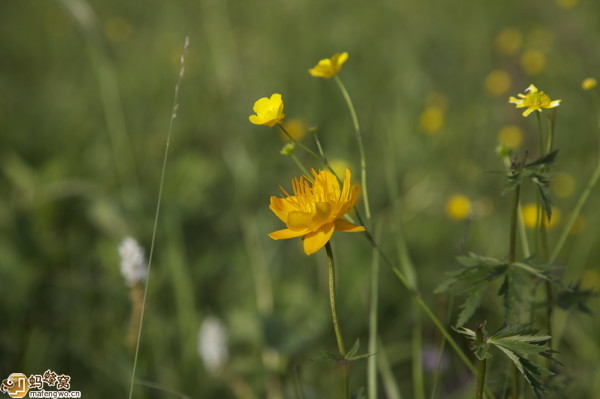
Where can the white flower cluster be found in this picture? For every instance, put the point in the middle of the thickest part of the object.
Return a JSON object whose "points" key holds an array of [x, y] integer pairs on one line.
{"points": [[133, 261], [212, 344]]}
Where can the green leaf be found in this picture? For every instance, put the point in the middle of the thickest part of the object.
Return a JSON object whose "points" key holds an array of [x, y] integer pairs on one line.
{"points": [[543, 162], [471, 304], [573, 297], [354, 349]]}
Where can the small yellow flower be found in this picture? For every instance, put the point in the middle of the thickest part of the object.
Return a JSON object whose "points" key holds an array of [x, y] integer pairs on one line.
{"points": [[269, 111], [458, 207], [535, 100], [589, 84], [315, 210], [328, 67]]}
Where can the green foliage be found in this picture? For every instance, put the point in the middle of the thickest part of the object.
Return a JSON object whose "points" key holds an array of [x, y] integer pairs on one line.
{"points": [[478, 272], [518, 343], [537, 172]]}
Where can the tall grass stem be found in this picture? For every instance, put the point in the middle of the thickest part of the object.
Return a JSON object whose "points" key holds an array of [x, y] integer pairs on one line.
{"points": [[157, 212]]}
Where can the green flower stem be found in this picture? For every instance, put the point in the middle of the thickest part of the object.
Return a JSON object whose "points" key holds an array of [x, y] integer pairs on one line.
{"points": [[336, 324], [542, 229], [299, 164], [522, 231], [299, 144], [580, 203], [482, 366], [513, 227], [361, 149], [321, 158], [373, 331]]}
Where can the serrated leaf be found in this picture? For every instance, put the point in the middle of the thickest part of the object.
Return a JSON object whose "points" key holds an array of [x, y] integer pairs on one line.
{"points": [[573, 297], [471, 304], [546, 199], [354, 349]]}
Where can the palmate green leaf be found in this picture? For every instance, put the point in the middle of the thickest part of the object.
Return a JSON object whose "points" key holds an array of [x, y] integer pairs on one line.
{"points": [[517, 342]]}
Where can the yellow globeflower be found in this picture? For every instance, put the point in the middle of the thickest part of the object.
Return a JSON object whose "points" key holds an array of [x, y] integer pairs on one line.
{"points": [[458, 207], [328, 67], [315, 210], [269, 111], [511, 136], [589, 84], [535, 100], [497, 82]]}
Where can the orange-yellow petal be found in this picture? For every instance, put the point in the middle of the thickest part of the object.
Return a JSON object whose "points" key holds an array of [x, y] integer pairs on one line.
{"points": [[342, 225], [316, 240], [281, 208], [286, 233], [299, 220]]}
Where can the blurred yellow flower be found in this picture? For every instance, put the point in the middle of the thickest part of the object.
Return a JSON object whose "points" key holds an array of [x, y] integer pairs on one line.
{"points": [[530, 215], [339, 166], [509, 40], [497, 82], [296, 127], [533, 62], [534, 100], [431, 119], [567, 4], [269, 111], [563, 184], [590, 280], [458, 207], [315, 210], [511, 136], [328, 67], [589, 84]]}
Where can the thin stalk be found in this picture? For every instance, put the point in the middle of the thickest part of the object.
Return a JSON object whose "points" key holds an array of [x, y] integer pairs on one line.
{"points": [[372, 348], [513, 227], [154, 229], [482, 366], [361, 149], [542, 228], [299, 164], [522, 231], [511, 259], [580, 203], [336, 324], [299, 144]]}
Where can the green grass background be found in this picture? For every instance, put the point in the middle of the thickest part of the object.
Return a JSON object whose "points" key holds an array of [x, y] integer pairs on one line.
{"points": [[86, 92]]}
